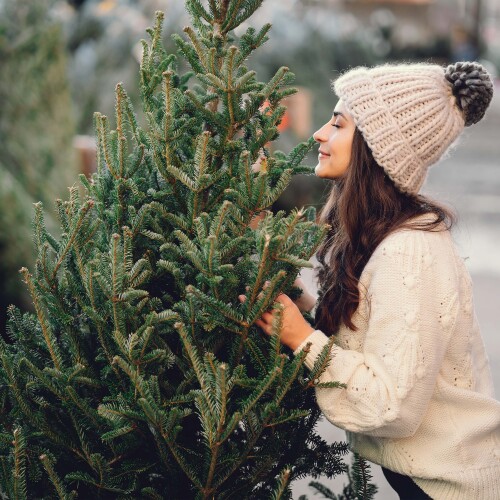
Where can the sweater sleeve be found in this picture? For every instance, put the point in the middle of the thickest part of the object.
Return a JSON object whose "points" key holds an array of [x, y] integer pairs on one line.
{"points": [[413, 303]]}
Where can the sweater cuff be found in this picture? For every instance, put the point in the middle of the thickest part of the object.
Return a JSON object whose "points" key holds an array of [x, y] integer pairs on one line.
{"points": [[319, 340]]}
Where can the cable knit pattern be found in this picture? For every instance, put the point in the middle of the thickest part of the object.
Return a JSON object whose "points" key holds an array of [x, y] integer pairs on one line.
{"points": [[419, 397], [408, 115]]}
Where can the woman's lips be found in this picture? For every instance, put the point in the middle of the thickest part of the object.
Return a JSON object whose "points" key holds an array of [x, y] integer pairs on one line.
{"points": [[322, 155]]}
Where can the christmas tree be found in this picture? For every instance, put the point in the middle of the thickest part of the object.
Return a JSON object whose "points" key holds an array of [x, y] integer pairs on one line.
{"points": [[141, 375]]}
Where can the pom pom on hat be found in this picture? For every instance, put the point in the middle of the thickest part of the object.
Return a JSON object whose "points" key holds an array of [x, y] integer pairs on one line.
{"points": [[410, 114], [472, 86]]}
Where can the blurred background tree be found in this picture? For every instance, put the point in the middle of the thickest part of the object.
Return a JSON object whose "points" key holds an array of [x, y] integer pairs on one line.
{"points": [[36, 132]]}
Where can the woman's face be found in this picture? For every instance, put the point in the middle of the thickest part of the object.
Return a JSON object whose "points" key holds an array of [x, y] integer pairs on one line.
{"points": [[335, 143]]}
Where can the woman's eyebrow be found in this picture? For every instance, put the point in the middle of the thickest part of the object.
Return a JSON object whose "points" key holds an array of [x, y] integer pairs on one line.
{"points": [[337, 113]]}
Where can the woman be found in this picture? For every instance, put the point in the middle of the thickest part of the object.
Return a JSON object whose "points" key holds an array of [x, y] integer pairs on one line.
{"points": [[419, 397]]}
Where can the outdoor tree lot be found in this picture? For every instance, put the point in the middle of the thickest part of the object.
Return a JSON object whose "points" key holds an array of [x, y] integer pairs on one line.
{"points": [[140, 375]]}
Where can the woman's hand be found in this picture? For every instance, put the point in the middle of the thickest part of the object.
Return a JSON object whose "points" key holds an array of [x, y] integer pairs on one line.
{"points": [[295, 328]]}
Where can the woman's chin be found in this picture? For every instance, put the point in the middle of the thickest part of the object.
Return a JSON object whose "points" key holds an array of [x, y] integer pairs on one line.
{"points": [[326, 171], [319, 171]]}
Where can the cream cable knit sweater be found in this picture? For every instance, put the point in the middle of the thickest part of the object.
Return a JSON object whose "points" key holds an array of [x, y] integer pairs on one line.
{"points": [[419, 399]]}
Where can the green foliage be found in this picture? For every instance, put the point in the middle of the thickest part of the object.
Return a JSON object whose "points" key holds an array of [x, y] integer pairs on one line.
{"points": [[359, 486], [36, 131], [140, 375]]}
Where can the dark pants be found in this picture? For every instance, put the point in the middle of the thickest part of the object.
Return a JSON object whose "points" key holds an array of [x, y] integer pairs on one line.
{"points": [[404, 486]]}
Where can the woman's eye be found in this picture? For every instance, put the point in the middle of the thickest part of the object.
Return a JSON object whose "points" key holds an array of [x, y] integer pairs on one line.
{"points": [[335, 125]]}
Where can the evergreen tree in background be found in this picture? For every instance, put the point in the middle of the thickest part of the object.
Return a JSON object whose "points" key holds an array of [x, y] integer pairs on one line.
{"points": [[36, 132], [141, 375]]}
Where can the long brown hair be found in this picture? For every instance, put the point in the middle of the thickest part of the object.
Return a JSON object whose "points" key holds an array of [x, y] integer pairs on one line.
{"points": [[363, 207]]}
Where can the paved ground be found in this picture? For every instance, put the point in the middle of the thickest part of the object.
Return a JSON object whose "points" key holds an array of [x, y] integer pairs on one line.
{"points": [[469, 180]]}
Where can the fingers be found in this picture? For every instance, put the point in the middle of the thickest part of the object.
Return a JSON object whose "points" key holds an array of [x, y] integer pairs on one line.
{"points": [[266, 284], [243, 298], [281, 297], [260, 323]]}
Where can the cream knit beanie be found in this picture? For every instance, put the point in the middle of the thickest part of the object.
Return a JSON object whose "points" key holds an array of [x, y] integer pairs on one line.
{"points": [[409, 114]]}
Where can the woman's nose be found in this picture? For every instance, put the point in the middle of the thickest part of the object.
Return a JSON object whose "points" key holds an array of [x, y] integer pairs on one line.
{"points": [[319, 135]]}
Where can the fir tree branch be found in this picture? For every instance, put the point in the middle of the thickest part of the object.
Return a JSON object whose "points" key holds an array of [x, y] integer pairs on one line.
{"points": [[19, 472], [156, 38], [45, 378], [169, 113], [197, 46], [218, 306], [221, 384], [56, 481], [32, 417], [194, 357], [261, 271], [282, 486], [50, 341], [127, 104], [102, 135], [74, 234], [87, 410], [197, 8], [261, 389], [256, 352], [230, 14], [292, 372], [275, 82], [228, 73], [119, 129], [321, 363], [116, 290]]}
